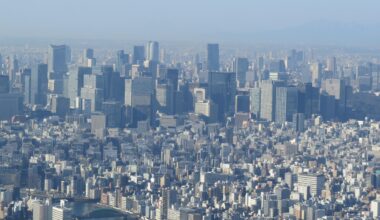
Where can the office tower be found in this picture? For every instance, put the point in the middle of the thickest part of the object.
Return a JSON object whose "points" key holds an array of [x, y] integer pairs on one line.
{"points": [[113, 112], [98, 124], [242, 103], [331, 65], [375, 208], [199, 94], [268, 99], [121, 60], [41, 210], [61, 212], [286, 104], [138, 98], [4, 84], [164, 204], [93, 92], [59, 105], [57, 59], [206, 108], [255, 101], [88, 53], [376, 80], [309, 101], [299, 122], [76, 82], [39, 84], [138, 55], [240, 67], [260, 63], [152, 67], [113, 84], [222, 91], [88, 59], [270, 205], [213, 58], [172, 76], [11, 105], [327, 106], [338, 89], [316, 74], [165, 98], [315, 183], [26, 85], [152, 51], [13, 69], [277, 66]]}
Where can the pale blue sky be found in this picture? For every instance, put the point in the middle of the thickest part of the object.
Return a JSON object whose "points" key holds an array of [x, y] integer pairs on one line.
{"points": [[174, 19]]}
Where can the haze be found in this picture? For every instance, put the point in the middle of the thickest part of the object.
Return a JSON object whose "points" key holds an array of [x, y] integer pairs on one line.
{"points": [[191, 20]]}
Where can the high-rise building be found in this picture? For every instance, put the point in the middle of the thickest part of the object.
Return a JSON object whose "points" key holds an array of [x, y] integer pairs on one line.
{"points": [[57, 59], [41, 210], [172, 77], [88, 58], [242, 103], [338, 89], [240, 67], [138, 99], [39, 84], [213, 58], [4, 84], [76, 82], [375, 208], [113, 112], [316, 74], [299, 122], [93, 91], [331, 65], [138, 54], [113, 84], [165, 98], [152, 51], [286, 104], [61, 212], [11, 104], [222, 91], [315, 183], [59, 105], [255, 101], [268, 99], [121, 60]]}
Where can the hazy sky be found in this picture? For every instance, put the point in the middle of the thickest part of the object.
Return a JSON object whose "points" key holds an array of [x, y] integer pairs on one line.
{"points": [[173, 19]]}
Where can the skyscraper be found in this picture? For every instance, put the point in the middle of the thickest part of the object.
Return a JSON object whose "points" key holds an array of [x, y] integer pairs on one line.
{"points": [[338, 89], [222, 91], [213, 58], [255, 101], [39, 84], [121, 59], [138, 54], [268, 99], [286, 103], [93, 91], [315, 182], [240, 67], [316, 74], [57, 59], [138, 99], [61, 212], [152, 51]]}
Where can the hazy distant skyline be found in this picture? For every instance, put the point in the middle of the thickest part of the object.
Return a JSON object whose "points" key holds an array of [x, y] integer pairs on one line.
{"points": [[206, 20]]}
